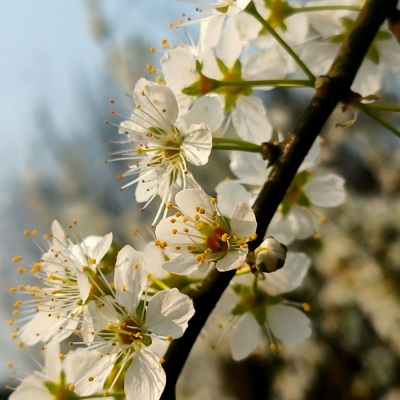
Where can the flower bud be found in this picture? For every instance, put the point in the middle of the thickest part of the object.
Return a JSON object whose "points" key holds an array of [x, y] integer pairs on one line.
{"points": [[270, 255]]}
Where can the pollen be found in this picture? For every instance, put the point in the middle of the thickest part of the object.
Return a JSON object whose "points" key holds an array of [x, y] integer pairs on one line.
{"points": [[35, 232], [18, 303], [71, 387], [169, 338], [61, 356], [306, 307], [136, 265], [26, 232], [16, 259], [161, 360], [169, 206]]}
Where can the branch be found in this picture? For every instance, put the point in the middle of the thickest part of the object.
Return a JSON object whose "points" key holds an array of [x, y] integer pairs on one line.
{"points": [[330, 90]]}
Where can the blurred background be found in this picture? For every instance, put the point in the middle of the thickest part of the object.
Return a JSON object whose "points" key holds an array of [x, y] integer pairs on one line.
{"points": [[61, 62]]}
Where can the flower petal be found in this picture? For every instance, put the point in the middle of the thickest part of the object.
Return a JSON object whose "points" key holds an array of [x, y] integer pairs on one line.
{"points": [[245, 337], [130, 278], [145, 378], [168, 313], [326, 191], [289, 277], [288, 323]]}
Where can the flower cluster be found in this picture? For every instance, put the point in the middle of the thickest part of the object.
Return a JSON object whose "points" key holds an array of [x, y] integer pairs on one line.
{"points": [[207, 96]]}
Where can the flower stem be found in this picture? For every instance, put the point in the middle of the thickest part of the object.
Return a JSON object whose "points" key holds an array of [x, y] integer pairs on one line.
{"points": [[380, 107], [221, 143], [159, 283], [379, 119], [268, 82], [251, 9], [324, 8]]}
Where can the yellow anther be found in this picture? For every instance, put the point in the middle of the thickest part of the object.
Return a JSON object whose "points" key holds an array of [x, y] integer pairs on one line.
{"points": [[200, 225], [47, 236], [197, 217], [90, 378], [61, 356], [153, 49], [306, 307], [71, 387], [161, 360], [21, 270], [16, 259], [27, 232], [92, 261], [253, 236], [178, 247], [213, 200], [12, 289], [123, 288], [21, 344], [106, 393], [178, 214], [169, 338], [164, 43], [139, 151], [322, 220], [186, 230], [172, 220], [18, 303], [136, 265], [170, 24], [185, 219], [174, 231], [35, 232], [10, 322], [225, 237], [36, 267], [169, 206]]}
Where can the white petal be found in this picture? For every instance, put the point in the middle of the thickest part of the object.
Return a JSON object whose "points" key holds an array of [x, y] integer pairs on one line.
{"points": [[52, 362], [88, 362], [249, 168], [189, 199], [184, 264], [158, 103], [43, 327], [101, 248], [130, 278], [242, 220], [168, 313], [197, 144], [264, 64], [179, 68], [301, 222], [289, 277], [288, 323], [31, 388], [232, 260], [280, 229], [230, 193], [245, 337], [326, 191], [207, 109], [250, 120], [145, 378]]}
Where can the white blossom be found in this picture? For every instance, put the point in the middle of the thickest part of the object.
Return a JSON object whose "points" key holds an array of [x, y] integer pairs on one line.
{"points": [[203, 237], [130, 320], [69, 286], [162, 144]]}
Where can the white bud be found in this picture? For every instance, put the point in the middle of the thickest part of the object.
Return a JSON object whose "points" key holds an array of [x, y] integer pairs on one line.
{"points": [[270, 255]]}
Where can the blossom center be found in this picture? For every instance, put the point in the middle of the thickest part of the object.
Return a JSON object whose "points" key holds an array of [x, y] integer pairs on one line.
{"points": [[128, 332]]}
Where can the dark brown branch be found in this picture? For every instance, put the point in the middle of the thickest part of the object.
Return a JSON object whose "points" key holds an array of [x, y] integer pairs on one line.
{"points": [[330, 90]]}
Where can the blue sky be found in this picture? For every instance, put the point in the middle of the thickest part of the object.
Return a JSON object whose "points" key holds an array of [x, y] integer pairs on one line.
{"points": [[45, 46]]}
